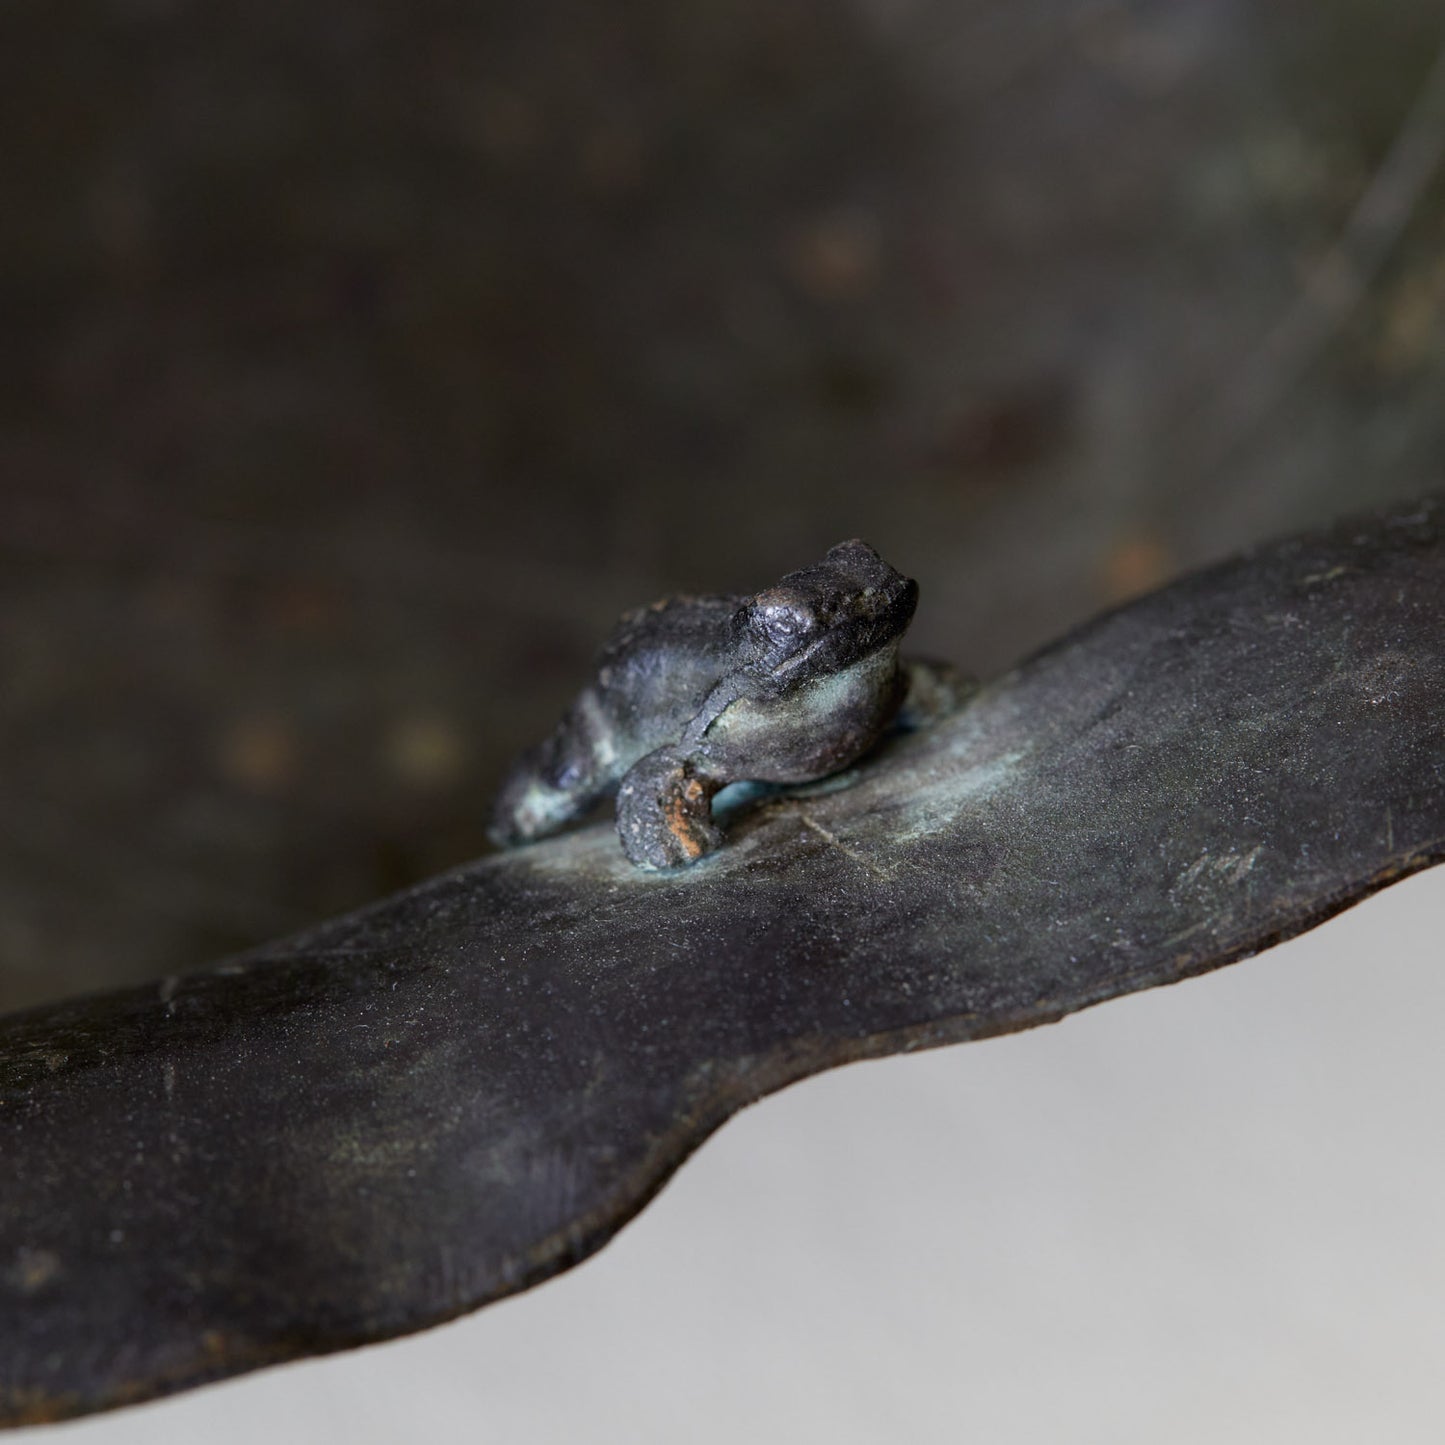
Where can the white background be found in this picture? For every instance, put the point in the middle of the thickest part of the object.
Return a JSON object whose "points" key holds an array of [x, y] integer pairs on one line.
{"points": [[1208, 1213]]}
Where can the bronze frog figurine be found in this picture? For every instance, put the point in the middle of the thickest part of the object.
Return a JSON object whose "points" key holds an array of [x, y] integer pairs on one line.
{"points": [[693, 693]]}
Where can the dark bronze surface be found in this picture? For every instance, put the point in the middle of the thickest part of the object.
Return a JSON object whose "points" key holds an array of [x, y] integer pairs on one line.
{"points": [[406, 1113]]}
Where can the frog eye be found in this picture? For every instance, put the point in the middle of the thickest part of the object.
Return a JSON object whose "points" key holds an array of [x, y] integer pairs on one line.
{"points": [[783, 621]]}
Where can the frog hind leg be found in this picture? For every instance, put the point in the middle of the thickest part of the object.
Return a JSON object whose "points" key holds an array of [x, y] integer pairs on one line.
{"points": [[664, 811], [529, 806], [933, 691], [557, 782]]}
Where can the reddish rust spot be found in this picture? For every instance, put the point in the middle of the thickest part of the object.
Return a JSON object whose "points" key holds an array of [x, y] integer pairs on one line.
{"points": [[680, 810], [680, 824]]}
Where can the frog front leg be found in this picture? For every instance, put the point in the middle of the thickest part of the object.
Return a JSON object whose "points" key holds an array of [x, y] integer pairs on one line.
{"points": [[664, 811]]}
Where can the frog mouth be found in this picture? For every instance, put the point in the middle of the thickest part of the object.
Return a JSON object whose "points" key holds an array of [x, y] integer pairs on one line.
{"points": [[797, 659]]}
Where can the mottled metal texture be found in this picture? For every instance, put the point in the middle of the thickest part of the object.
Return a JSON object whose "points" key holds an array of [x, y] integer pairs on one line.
{"points": [[407, 1113]]}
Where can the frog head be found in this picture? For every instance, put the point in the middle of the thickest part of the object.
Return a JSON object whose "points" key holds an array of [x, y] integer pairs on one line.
{"points": [[824, 618]]}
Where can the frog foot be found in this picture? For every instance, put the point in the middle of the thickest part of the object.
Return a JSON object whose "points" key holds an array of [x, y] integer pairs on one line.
{"points": [[664, 812]]}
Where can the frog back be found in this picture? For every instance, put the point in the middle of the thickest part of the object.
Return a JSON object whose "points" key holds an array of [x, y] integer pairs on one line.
{"points": [[658, 668]]}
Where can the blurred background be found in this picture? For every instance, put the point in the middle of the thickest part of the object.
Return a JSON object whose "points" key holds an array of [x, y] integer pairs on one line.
{"points": [[361, 361]]}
